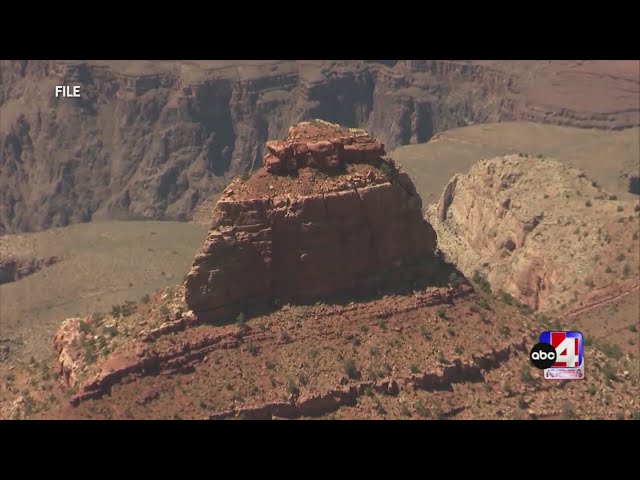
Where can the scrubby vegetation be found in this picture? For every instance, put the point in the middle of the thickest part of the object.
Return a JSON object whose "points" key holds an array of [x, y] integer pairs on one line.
{"points": [[481, 282]]}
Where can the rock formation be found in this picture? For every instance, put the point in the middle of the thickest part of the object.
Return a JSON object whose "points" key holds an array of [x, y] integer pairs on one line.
{"points": [[327, 226], [321, 145], [540, 231], [13, 269], [155, 139]]}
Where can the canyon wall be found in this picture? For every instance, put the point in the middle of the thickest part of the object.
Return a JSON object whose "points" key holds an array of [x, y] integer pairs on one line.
{"points": [[155, 139]]}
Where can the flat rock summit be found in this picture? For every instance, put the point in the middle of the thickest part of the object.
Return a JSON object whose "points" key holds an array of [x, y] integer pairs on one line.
{"points": [[326, 212]]}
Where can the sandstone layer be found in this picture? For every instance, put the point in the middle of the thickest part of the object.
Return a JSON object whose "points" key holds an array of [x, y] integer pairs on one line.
{"points": [[539, 230], [155, 139], [318, 232]]}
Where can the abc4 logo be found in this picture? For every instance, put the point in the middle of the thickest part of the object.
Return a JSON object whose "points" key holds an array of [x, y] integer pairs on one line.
{"points": [[557, 349]]}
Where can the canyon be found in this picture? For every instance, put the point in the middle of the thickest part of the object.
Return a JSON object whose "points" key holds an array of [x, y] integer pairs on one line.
{"points": [[153, 140]]}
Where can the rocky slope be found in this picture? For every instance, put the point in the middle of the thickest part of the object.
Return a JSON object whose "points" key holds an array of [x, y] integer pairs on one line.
{"points": [[430, 352], [155, 139], [540, 231], [341, 214]]}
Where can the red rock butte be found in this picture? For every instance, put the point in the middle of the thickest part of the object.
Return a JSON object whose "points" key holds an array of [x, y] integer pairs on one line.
{"points": [[322, 145], [327, 212]]}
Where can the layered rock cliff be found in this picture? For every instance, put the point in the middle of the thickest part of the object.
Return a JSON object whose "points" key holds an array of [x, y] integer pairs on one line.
{"points": [[155, 139], [541, 231], [333, 217]]}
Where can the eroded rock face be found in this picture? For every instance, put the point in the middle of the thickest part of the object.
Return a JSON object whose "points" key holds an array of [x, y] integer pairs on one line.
{"points": [[308, 245], [539, 230], [13, 269], [66, 346]]}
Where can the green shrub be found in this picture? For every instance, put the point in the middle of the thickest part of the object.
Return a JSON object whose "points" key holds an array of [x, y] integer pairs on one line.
{"points": [[145, 298], [542, 318], [525, 374], [442, 313], [84, 327], [388, 170], [425, 332], [303, 379], [420, 409], [481, 281], [284, 336], [612, 351], [506, 297], [484, 304], [524, 309], [414, 368], [89, 354], [110, 331], [507, 389], [504, 331], [350, 369], [609, 371], [128, 308], [292, 388], [240, 320]]}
